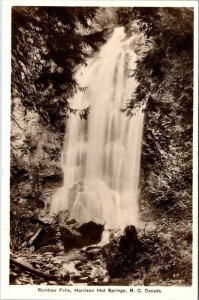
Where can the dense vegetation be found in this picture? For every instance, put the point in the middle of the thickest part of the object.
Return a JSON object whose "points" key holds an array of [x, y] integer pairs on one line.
{"points": [[165, 75], [48, 46]]}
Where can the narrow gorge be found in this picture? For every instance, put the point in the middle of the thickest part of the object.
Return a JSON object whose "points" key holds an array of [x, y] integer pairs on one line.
{"points": [[101, 146]]}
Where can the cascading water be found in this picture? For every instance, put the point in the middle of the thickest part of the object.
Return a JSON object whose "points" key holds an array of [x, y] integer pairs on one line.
{"points": [[101, 157]]}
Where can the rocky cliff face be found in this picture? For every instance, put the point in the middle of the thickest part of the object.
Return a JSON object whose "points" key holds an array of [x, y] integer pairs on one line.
{"points": [[35, 152]]}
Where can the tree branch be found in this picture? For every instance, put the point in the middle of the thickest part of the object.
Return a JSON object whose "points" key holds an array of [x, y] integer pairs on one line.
{"points": [[13, 147], [13, 118], [31, 269]]}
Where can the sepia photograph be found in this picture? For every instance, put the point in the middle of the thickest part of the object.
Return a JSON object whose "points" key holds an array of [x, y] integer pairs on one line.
{"points": [[101, 147]]}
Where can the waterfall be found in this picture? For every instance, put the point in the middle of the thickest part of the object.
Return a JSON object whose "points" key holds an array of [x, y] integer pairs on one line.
{"points": [[101, 156]]}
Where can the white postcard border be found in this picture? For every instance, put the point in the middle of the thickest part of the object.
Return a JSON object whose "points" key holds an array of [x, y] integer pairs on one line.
{"points": [[31, 292]]}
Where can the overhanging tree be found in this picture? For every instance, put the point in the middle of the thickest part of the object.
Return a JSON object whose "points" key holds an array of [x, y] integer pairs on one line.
{"points": [[165, 76], [48, 44]]}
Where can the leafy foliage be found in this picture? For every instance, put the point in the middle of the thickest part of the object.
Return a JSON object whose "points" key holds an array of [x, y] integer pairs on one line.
{"points": [[165, 76], [48, 44], [167, 256]]}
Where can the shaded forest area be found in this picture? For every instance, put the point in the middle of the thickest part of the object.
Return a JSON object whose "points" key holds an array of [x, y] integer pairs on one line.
{"points": [[48, 46]]}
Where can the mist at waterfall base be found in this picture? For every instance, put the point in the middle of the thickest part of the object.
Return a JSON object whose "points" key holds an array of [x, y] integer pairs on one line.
{"points": [[101, 156]]}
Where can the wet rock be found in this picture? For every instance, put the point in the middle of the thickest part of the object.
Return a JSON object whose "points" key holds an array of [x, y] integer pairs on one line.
{"points": [[88, 268], [84, 280], [63, 217], [44, 219], [49, 248], [99, 273], [94, 282], [71, 238], [111, 236], [75, 278], [93, 253], [106, 279], [85, 274], [98, 262], [64, 274], [79, 265], [47, 236], [72, 221], [91, 232], [79, 235], [76, 255], [129, 239], [13, 276], [120, 254], [52, 282], [61, 253]]}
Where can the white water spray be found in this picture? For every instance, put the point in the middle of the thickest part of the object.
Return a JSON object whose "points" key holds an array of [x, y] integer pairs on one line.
{"points": [[101, 157]]}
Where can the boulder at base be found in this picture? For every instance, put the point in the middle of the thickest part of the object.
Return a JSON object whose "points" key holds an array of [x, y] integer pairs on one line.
{"points": [[78, 235], [120, 254], [56, 233]]}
